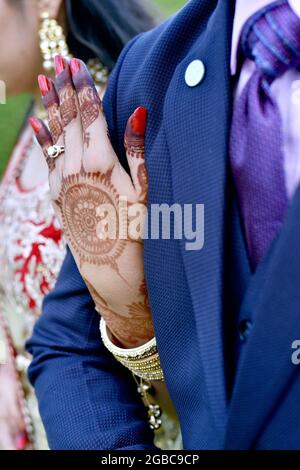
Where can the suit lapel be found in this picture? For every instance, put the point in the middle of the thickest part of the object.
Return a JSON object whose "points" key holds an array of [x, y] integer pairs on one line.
{"points": [[196, 123], [266, 367]]}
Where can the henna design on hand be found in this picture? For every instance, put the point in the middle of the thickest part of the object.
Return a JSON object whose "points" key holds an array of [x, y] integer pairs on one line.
{"points": [[135, 149], [98, 299], [81, 204], [89, 106], [68, 108], [51, 103], [142, 306], [143, 289], [127, 331], [67, 96], [81, 195], [89, 102], [86, 139], [143, 181], [54, 122], [139, 330]]}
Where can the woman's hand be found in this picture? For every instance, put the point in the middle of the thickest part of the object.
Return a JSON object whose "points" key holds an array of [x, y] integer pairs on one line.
{"points": [[90, 192]]}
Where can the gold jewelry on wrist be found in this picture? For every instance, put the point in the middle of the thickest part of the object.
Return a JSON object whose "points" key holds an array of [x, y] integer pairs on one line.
{"points": [[143, 361], [154, 410]]}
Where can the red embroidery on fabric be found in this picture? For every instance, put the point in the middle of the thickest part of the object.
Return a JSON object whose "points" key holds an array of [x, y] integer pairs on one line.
{"points": [[35, 257]]}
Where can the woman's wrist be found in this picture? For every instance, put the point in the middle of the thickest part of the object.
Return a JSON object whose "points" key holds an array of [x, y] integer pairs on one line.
{"points": [[124, 342], [142, 361], [122, 331]]}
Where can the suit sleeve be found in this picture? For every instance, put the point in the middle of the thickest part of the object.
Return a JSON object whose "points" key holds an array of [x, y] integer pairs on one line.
{"points": [[87, 400]]}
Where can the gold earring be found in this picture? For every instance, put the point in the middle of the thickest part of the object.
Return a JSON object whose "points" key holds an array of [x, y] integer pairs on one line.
{"points": [[98, 71], [52, 41]]}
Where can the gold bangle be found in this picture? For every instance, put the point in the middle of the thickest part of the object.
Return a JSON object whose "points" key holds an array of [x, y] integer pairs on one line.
{"points": [[144, 350], [144, 361]]}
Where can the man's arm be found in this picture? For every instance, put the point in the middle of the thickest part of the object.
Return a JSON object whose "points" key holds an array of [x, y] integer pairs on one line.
{"points": [[87, 400]]}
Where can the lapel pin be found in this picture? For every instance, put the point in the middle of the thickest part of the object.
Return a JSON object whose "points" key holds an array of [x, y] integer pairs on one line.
{"points": [[194, 73]]}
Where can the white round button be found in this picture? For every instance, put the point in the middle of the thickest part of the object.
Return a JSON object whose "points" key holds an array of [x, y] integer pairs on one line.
{"points": [[194, 73]]}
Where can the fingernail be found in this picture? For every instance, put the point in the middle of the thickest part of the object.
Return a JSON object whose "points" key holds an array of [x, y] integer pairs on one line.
{"points": [[75, 66], [35, 124], [59, 64], [44, 84], [138, 121]]}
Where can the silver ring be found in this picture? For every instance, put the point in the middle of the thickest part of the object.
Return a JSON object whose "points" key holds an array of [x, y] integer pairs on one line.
{"points": [[55, 151]]}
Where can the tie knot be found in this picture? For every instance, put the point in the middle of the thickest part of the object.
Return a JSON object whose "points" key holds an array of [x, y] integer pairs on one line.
{"points": [[271, 38]]}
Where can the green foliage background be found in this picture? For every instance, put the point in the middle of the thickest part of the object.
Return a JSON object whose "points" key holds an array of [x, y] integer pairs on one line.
{"points": [[13, 112], [170, 6]]}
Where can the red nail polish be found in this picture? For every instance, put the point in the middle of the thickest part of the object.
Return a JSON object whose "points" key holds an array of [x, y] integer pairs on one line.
{"points": [[35, 124], [138, 121], [75, 66], [44, 84], [59, 64]]}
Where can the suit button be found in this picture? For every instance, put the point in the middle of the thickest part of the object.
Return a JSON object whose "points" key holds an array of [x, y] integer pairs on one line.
{"points": [[194, 73], [244, 329]]}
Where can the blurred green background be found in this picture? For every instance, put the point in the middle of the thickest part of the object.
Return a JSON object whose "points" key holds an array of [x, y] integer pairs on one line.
{"points": [[170, 6], [12, 113]]}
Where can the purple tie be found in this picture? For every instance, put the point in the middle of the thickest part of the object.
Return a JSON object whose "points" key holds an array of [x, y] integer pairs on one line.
{"points": [[270, 38]]}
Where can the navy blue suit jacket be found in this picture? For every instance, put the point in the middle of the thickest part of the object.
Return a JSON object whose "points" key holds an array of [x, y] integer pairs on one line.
{"points": [[233, 386]]}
